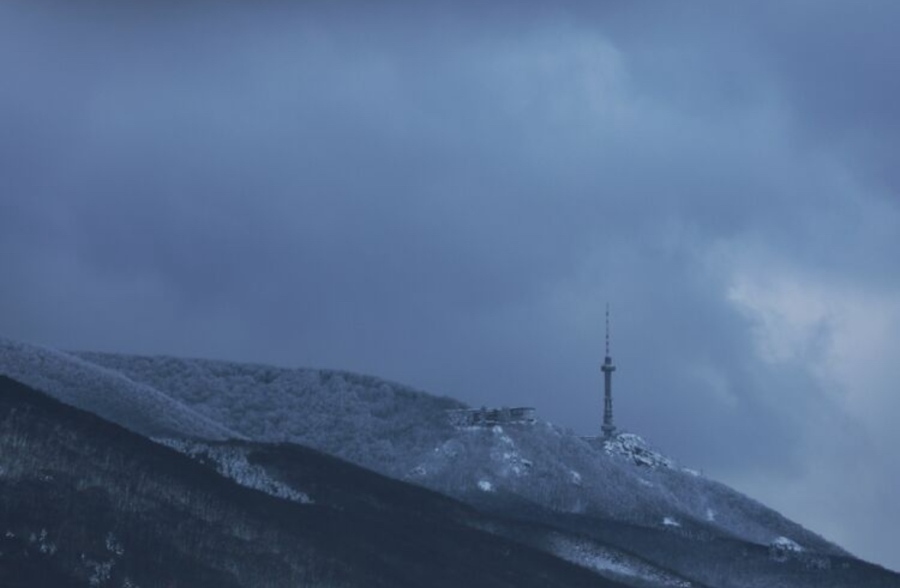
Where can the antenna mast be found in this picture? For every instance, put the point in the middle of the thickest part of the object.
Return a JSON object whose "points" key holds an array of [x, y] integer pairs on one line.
{"points": [[607, 329], [608, 368]]}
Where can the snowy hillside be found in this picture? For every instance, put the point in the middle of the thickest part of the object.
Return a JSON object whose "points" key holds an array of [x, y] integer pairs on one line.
{"points": [[89, 504], [105, 392], [556, 469], [360, 418], [407, 435]]}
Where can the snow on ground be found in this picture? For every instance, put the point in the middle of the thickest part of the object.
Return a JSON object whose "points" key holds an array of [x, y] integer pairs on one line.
{"points": [[508, 460], [396, 431], [231, 462], [634, 448], [609, 562], [783, 549], [485, 486], [105, 392], [670, 522], [787, 544]]}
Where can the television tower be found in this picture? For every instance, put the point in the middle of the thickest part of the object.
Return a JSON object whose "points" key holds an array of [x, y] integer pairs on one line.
{"points": [[608, 368]]}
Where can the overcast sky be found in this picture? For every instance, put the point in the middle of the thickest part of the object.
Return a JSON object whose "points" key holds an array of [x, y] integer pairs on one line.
{"points": [[447, 195]]}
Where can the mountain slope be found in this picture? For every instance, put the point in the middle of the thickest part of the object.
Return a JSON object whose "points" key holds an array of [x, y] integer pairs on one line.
{"points": [[407, 434], [108, 393], [85, 502], [620, 508]]}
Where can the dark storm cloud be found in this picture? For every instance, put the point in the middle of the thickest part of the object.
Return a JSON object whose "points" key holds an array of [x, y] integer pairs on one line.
{"points": [[448, 197], [841, 76]]}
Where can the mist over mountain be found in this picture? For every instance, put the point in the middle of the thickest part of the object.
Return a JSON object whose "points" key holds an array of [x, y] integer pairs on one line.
{"points": [[585, 510]]}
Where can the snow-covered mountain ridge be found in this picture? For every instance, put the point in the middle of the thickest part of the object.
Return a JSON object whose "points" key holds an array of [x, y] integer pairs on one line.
{"points": [[107, 392], [405, 434], [87, 503]]}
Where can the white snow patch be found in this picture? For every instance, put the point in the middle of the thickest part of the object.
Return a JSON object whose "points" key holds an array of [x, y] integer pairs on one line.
{"points": [[509, 461], [782, 549], [634, 448], [590, 556], [485, 486], [575, 477], [710, 515], [45, 546], [232, 463], [606, 561], [787, 544], [670, 522], [646, 483], [113, 546], [100, 570]]}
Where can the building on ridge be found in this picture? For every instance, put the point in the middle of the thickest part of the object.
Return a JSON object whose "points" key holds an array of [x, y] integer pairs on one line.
{"points": [[489, 417]]}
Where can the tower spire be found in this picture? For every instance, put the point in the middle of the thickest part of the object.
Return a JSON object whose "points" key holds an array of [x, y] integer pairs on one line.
{"points": [[607, 368], [607, 329]]}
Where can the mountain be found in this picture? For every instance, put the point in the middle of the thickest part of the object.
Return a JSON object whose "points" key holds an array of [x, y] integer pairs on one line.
{"points": [[620, 509], [105, 392], [88, 503]]}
